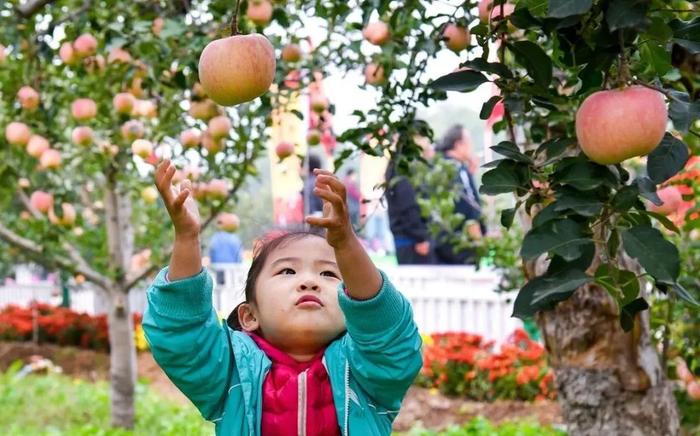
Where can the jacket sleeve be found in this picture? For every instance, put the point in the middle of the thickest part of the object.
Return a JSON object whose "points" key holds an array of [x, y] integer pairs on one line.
{"points": [[382, 344], [188, 340]]}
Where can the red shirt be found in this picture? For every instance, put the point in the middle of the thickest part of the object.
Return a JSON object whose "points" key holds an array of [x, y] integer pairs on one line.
{"points": [[297, 397]]}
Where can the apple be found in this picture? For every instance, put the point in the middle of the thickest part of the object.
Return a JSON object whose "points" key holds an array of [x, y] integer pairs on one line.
{"points": [[374, 74], [507, 11], [217, 189], [68, 215], [671, 198], [227, 222], [191, 172], [319, 103], [291, 53], [219, 127], [149, 194], [85, 45], [693, 390], [293, 79], [50, 159], [377, 33], [123, 102], [83, 109], [145, 108], [237, 69], [118, 55], [41, 201], [136, 87], [28, 98], [17, 133], [157, 26], [284, 149], [212, 145], [82, 135], [3, 54], [190, 138], [313, 137], [485, 10], [67, 54], [37, 145], [132, 130], [456, 37], [23, 183], [259, 12], [615, 125], [203, 110], [142, 148]]}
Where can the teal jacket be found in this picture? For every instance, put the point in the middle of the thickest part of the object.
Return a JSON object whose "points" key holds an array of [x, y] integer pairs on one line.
{"points": [[221, 370]]}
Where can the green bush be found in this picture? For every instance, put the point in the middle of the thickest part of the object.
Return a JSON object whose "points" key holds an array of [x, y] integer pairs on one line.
{"points": [[55, 404], [482, 427]]}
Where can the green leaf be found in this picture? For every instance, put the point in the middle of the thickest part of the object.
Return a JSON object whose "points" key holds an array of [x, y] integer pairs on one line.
{"points": [[657, 58], [583, 203], [537, 8], [659, 30], [667, 159], [625, 14], [508, 176], [647, 189], [657, 256], [583, 174], [172, 29], [487, 108], [554, 148], [582, 262], [682, 111], [535, 60], [463, 81], [507, 216], [684, 295], [542, 292], [565, 8], [629, 311], [563, 237], [663, 219], [510, 150], [497, 68], [625, 198], [547, 214], [687, 34]]}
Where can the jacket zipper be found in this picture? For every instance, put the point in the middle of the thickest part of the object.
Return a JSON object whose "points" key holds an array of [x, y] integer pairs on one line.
{"points": [[347, 396], [301, 406]]}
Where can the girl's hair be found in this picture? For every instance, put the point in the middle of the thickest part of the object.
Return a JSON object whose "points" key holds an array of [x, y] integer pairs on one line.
{"points": [[263, 248]]}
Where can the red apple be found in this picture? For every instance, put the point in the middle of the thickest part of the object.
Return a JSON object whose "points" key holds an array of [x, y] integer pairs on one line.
{"points": [[67, 54], [118, 55], [212, 145], [190, 138], [217, 189], [142, 147], [374, 74], [68, 215], [485, 10], [17, 133], [497, 16], [259, 12], [82, 135], [41, 201], [227, 222], [456, 37], [145, 108], [28, 98], [37, 145], [237, 69], [219, 127], [50, 159], [377, 33], [618, 124], [132, 130], [313, 137], [203, 110], [694, 390], [85, 45], [291, 53], [24, 183], [284, 149], [123, 102], [671, 198], [293, 79], [149, 194], [83, 109], [319, 103]]}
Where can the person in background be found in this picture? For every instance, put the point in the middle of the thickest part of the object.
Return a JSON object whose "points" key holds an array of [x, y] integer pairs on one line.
{"points": [[354, 197], [224, 247], [312, 204], [456, 145], [411, 236]]}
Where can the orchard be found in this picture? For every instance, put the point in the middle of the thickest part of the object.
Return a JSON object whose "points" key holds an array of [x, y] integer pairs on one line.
{"points": [[594, 104]]}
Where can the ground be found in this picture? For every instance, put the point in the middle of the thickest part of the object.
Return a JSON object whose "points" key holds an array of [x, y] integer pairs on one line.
{"points": [[431, 409]]}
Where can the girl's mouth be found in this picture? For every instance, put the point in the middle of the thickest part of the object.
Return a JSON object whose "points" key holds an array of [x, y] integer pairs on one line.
{"points": [[308, 299]]}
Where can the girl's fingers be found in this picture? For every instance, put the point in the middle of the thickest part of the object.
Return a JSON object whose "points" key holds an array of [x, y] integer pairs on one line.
{"points": [[321, 222], [332, 197], [181, 197], [333, 182]]}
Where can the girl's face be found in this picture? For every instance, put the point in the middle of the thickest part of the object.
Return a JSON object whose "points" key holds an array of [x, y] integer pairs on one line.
{"points": [[296, 301]]}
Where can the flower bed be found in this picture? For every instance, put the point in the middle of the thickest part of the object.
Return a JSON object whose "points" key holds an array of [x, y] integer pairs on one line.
{"points": [[464, 364], [59, 325]]}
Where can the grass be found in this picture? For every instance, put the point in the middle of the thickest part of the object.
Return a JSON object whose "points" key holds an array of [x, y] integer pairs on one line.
{"points": [[482, 427], [41, 405]]}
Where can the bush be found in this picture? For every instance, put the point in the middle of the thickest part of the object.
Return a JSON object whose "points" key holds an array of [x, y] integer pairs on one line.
{"points": [[60, 325], [463, 364], [55, 404]]}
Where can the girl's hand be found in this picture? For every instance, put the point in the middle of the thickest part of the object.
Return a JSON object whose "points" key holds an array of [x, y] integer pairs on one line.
{"points": [[178, 201], [336, 219]]}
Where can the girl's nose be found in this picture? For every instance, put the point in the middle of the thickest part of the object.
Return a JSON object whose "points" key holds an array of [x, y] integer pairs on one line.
{"points": [[308, 285]]}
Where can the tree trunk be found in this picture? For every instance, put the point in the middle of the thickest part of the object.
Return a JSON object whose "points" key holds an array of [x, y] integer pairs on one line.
{"points": [[122, 360], [120, 239], [609, 382]]}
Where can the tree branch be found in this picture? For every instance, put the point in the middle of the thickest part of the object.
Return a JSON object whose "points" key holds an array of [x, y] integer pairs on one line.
{"points": [[36, 251], [28, 9]]}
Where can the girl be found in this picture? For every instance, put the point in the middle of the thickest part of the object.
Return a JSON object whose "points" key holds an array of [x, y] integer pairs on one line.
{"points": [[322, 345]]}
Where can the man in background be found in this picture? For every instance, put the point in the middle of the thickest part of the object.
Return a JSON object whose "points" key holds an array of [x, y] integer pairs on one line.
{"points": [[224, 247]]}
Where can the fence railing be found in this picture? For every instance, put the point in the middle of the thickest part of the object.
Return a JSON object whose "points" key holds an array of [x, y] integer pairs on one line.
{"points": [[444, 298]]}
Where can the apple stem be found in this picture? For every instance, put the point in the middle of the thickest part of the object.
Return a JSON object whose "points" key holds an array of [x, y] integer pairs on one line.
{"points": [[623, 73], [234, 19]]}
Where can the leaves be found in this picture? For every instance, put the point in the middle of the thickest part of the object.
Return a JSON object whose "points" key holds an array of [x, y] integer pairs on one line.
{"points": [[508, 176], [629, 312], [565, 8], [563, 237], [462, 81], [535, 60], [667, 159], [687, 34], [583, 174], [488, 106], [510, 150], [684, 295], [497, 68], [657, 256], [542, 292], [581, 202], [647, 189], [625, 14], [682, 111]]}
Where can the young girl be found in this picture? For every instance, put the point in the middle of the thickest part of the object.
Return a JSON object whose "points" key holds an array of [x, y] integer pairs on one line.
{"points": [[322, 345]]}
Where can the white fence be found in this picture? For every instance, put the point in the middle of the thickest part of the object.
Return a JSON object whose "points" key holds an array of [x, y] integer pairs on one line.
{"points": [[444, 298]]}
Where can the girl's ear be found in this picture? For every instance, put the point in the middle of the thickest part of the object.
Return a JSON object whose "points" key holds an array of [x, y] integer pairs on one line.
{"points": [[247, 318]]}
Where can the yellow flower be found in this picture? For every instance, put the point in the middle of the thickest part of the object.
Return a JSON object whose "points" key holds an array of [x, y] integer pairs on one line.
{"points": [[140, 339], [427, 339]]}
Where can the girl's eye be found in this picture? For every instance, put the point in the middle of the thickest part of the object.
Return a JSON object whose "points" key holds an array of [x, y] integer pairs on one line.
{"points": [[286, 271], [329, 274]]}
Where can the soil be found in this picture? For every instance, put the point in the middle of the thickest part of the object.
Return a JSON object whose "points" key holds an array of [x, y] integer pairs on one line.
{"points": [[424, 407]]}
